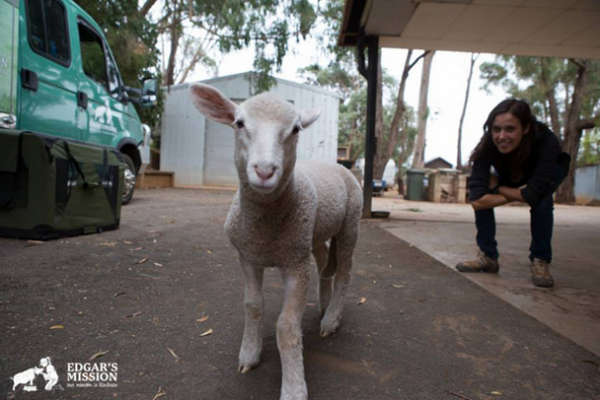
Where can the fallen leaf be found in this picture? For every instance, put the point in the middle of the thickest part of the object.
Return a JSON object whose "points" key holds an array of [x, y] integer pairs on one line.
{"points": [[160, 393], [33, 243], [59, 326], [127, 242], [208, 332], [496, 393], [143, 260], [119, 294], [97, 355], [204, 318], [135, 314], [362, 300], [158, 264], [397, 286], [175, 356], [209, 252]]}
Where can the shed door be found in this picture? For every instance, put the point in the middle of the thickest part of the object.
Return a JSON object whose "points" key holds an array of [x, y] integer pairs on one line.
{"points": [[218, 158]]}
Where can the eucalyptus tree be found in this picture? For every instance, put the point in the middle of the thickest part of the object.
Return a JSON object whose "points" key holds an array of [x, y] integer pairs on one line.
{"points": [[199, 26], [565, 93], [394, 120]]}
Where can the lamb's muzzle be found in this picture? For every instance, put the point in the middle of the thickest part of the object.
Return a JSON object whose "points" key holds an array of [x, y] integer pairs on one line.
{"points": [[281, 213]]}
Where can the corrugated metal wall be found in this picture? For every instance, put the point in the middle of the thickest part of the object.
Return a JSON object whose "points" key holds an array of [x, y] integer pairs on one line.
{"points": [[200, 151], [182, 138], [587, 184]]}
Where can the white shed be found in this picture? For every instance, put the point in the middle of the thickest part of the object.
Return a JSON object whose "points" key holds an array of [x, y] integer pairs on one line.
{"points": [[200, 151]]}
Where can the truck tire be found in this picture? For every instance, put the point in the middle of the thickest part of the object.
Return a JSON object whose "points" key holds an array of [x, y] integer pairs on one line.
{"points": [[130, 177]]}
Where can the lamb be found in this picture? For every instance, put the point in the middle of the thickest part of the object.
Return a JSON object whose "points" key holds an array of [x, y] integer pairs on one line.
{"points": [[281, 213]]}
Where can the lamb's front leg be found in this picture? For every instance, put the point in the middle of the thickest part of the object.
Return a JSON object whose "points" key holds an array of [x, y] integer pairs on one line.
{"points": [[289, 333], [253, 313]]}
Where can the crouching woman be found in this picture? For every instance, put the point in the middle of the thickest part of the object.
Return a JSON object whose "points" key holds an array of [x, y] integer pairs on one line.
{"points": [[528, 166]]}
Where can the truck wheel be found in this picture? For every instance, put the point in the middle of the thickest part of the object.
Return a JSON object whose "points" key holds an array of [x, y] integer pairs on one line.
{"points": [[130, 178]]}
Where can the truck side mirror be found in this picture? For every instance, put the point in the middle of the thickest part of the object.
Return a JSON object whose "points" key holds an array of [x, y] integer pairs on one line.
{"points": [[149, 90]]}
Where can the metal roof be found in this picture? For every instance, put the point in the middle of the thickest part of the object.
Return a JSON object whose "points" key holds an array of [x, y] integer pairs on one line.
{"points": [[560, 28]]}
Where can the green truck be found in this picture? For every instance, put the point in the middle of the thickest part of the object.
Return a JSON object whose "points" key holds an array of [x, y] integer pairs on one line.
{"points": [[58, 77]]}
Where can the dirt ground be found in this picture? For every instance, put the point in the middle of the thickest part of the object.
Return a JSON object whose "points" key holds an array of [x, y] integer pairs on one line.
{"points": [[161, 297]]}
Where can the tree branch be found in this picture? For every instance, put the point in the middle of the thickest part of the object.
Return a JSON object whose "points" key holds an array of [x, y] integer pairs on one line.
{"points": [[146, 7], [577, 63], [417, 59], [198, 55], [587, 123]]}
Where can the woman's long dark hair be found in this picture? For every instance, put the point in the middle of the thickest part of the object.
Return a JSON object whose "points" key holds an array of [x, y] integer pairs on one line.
{"points": [[486, 149]]}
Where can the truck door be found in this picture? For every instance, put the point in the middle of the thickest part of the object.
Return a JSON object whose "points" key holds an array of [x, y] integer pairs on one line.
{"points": [[47, 82], [9, 34], [103, 88]]}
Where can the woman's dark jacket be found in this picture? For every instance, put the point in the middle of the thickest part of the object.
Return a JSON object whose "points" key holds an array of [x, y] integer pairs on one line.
{"points": [[545, 169]]}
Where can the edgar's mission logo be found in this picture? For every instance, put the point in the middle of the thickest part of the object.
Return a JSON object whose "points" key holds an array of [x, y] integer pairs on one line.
{"points": [[27, 379]]}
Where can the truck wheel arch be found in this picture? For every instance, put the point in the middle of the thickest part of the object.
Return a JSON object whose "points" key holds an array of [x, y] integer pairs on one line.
{"points": [[129, 147]]}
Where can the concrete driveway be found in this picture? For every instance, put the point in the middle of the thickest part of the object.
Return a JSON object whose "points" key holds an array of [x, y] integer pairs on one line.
{"points": [[161, 299], [447, 233]]}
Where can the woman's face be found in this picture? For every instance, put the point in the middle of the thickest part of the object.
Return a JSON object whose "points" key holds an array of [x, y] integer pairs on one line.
{"points": [[507, 132]]}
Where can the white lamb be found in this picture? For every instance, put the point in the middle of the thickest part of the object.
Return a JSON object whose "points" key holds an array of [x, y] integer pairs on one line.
{"points": [[280, 214]]}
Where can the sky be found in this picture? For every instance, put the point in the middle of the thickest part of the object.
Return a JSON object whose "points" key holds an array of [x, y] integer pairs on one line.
{"points": [[447, 88]]}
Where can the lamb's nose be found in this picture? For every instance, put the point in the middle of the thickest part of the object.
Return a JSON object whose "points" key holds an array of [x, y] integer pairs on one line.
{"points": [[264, 171]]}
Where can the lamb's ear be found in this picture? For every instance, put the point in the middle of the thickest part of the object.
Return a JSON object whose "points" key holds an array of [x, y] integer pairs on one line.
{"points": [[307, 117], [213, 103]]}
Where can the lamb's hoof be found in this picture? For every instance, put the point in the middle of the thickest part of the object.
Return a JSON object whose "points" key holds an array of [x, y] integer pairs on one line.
{"points": [[249, 357], [244, 368], [329, 326]]}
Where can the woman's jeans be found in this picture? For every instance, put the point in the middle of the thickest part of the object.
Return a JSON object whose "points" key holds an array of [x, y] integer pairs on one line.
{"points": [[542, 221]]}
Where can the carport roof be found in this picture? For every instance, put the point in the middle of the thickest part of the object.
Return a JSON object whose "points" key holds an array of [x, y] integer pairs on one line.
{"points": [[561, 28]]}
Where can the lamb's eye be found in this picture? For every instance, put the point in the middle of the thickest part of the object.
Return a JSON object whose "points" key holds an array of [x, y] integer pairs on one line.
{"points": [[295, 130], [239, 123]]}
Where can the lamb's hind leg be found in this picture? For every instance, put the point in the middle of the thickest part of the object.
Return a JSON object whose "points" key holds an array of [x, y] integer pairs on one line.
{"points": [[326, 269], [341, 256], [289, 333], [253, 307]]}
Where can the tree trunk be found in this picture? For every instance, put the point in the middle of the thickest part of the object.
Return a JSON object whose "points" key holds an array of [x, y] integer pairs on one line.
{"points": [[549, 87], [572, 134], [386, 146], [175, 35], [464, 111], [382, 154], [378, 160], [418, 159]]}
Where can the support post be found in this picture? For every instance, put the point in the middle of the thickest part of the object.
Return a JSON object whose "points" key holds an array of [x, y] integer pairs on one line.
{"points": [[370, 140]]}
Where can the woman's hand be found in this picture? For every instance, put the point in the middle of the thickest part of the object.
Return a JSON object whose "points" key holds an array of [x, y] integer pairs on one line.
{"points": [[489, 201], [511, 194]]}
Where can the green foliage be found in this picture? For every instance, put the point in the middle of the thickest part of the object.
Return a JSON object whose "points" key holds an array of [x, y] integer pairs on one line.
{"points": [[238, 24], [589, 152], [341, 75], [352, 89], [537, 79]]}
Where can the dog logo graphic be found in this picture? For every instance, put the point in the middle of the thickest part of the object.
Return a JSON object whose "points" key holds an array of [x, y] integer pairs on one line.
{"points": [[27, 378]]}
